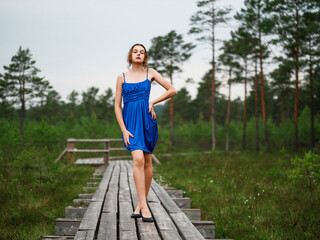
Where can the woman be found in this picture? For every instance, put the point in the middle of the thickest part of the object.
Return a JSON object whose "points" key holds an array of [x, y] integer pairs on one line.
{"points": [[138, 120]]}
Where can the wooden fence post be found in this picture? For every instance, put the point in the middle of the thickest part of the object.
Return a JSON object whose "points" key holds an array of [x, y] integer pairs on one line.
{"points": [[107, 154], [70, 146]]}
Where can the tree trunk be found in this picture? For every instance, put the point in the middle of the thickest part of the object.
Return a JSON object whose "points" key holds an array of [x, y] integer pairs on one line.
{"points": [[245, 107], [296, 101], [311, 100], [228, 113], [22, 101], [256, 103], [213, 86], [263, 108], [283, 120], [171, 119], [22, 111]]}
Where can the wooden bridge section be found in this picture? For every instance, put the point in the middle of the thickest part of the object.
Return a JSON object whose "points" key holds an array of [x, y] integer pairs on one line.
{"points": [[106, 213]]}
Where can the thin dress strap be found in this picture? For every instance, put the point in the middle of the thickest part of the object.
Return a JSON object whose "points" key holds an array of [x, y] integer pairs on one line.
{"points": [[124, 78], [147, 73]]}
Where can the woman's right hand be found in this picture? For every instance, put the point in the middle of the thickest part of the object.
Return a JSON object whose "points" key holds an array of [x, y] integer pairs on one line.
{"points": [[126, 135]]}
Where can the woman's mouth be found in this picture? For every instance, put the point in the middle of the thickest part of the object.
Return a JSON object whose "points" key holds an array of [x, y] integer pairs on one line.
{"points": [[138, 58]]}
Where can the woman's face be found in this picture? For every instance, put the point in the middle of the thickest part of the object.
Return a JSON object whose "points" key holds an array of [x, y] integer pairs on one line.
{"points": [[138, 54]]}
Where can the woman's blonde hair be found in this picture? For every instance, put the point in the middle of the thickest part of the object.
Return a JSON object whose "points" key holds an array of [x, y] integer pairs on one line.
{"points": [[145, 61]]}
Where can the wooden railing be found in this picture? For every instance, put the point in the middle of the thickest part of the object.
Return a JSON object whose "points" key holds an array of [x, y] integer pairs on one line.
{"points": [[70, 150]]}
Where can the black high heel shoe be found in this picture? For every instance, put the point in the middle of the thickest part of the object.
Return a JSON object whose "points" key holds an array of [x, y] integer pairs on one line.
{"points": [[134, 215], [150, 219]]}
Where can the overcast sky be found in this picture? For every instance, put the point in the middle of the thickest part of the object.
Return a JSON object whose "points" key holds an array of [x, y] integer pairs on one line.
{"points": [[82, 43]]}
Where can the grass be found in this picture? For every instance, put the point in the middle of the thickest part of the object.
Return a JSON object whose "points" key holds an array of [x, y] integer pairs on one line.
{"points": [[29, 208], [247, 195]]}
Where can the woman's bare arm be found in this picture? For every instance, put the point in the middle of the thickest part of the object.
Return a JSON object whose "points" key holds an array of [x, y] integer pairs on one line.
{"points": [[118, 111], [171, 91], [118, 102]]}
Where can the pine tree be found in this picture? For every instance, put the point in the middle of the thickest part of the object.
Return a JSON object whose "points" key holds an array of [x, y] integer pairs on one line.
{"points": [[204, 22], [21, 84], [167, 54]]}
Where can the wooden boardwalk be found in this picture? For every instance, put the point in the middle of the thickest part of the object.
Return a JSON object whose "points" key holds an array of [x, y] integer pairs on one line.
{"points": [[106, 213]]}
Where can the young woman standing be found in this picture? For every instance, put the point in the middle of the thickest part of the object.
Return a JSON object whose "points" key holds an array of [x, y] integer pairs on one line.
{"points": [[138, 121]]}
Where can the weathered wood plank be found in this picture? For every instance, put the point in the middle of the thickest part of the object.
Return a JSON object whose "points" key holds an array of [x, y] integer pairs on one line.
{"points": [[187, 230], [146, 230], [127, 225], [111, 200], [103, 185], [206, 228], [87, 150], [84, 235], [164, 222], [182, 202], [66, 226], [184, 226], [117, 149], [174, 193], [192, 213], [73, 140], [108, 226], [74, 212], [91, 217], [165, 199]]}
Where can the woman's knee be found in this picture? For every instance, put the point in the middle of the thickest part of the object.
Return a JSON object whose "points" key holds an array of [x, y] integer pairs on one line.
{"points": [[138, 161]]}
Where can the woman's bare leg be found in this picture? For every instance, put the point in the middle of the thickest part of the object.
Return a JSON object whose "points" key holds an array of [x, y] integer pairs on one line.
{"points": [[139, 180], [147, 176]]}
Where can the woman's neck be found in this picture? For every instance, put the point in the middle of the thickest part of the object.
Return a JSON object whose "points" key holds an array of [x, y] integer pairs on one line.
{"points": [[137, 67]]}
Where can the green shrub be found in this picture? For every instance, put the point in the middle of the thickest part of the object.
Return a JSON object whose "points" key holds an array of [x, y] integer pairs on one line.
{"points": [[306, 170]]}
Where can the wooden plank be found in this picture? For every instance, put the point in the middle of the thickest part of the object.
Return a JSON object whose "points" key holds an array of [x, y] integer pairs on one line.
{"points": [[146, 230], [89, 161], [174, 193], [184, 226], [91, 217], [155, 159], [62, 154], [84, 235], [119, 157], [111, 200], [115, 139], [127, 225], [117, 149], [164, 223], [165, 199], [73, 140], [108, 226], [87, 150], [66, 226]]}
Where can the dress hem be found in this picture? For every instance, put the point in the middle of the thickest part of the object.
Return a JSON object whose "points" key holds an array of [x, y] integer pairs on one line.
{"points": [[144, 150]]}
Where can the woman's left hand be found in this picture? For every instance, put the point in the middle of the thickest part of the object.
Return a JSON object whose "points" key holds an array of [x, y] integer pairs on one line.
{"points": [[153, 113]]}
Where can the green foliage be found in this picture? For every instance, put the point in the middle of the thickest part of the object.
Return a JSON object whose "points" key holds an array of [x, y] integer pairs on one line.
{"points": [[306, 171], [44, 135], [169, 52], [10, 138]]}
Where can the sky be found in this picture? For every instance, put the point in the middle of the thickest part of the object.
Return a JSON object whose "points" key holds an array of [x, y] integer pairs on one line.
{"points": [[78, 44]]}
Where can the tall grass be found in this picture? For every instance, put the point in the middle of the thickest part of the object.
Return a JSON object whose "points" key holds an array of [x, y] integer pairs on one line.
{"points": [[247, 195]]}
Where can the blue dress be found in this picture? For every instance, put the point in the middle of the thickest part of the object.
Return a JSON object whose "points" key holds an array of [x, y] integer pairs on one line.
{"points": [[136, 116]]}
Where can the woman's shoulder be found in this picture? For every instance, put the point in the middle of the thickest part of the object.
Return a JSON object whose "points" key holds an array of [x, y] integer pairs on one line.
{"points": [[151, 70], [120, 77]]}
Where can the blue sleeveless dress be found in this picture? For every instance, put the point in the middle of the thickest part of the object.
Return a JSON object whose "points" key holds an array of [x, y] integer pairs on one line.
{"points": [[136, 116]]}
